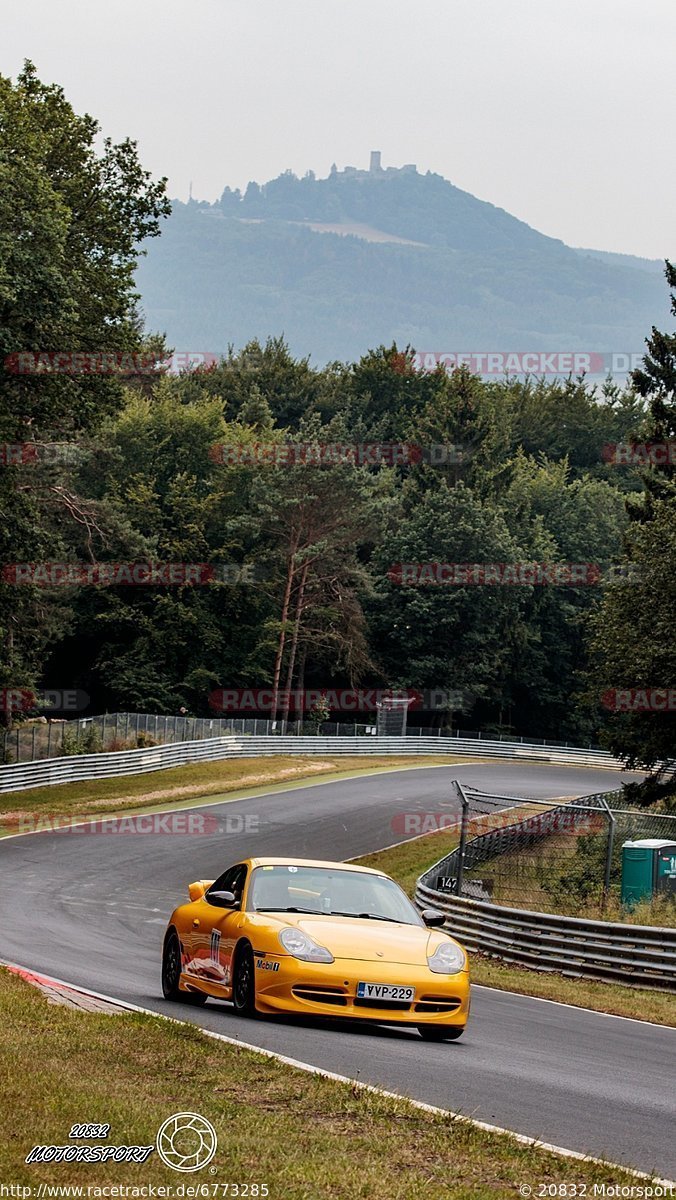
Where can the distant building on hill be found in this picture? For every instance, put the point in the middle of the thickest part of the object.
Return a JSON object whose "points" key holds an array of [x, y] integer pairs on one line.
{"points": [[376, 169]]}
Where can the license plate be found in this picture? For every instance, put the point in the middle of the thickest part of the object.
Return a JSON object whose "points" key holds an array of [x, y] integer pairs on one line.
{"points": [[384, 991]]}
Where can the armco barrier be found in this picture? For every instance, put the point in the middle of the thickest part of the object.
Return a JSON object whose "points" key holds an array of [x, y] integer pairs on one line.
{"points": [[632, 954], [82, 767]]}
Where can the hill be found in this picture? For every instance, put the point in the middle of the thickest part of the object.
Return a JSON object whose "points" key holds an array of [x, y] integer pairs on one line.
{"points": [[360, 258]]}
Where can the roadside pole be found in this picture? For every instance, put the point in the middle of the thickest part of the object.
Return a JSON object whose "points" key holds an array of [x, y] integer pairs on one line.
{"points": [[464, 800]]}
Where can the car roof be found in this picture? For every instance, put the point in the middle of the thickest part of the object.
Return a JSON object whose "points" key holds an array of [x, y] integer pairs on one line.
{"points": [[311, 862]]}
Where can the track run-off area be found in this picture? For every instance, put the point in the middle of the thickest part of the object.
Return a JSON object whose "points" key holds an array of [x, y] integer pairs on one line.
{"points": [[92, 910]]}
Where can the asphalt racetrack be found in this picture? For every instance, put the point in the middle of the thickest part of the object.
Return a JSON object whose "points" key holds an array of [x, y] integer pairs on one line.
{"points": [[92, 910]]}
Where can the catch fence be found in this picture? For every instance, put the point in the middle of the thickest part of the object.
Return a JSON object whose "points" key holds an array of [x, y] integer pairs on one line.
{"points": [[49, 738], [553, 857], [532, 886]]}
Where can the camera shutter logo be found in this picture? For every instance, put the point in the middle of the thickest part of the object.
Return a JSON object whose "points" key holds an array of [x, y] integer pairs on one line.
{"points": [[186, 1142]]}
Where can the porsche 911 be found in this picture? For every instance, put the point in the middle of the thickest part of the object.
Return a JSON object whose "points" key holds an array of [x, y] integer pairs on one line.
{"points": [[324, 939]]}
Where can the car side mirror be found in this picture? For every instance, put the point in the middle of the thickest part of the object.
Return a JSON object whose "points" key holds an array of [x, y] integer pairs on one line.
{"points": [[432, 917], [221, 899]]}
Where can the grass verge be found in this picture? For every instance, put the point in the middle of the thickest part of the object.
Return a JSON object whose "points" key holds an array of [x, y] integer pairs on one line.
{"points": [[304, 1136], [180, 786], [407, 862]]}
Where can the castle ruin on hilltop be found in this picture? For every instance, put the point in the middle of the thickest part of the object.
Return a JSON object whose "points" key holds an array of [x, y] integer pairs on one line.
{"points": [[376, 170]]}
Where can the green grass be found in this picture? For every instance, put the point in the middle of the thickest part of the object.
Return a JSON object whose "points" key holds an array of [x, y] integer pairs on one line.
{"points": [[180, 786], [409, 860], [306, 1137]]}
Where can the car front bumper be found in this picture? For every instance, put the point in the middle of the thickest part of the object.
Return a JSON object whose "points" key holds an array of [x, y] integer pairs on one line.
{"points": [[286, 985]]}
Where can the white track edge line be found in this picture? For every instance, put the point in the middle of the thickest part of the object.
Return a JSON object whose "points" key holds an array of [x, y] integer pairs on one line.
{"points": [[311, 1069], [486, 987]]}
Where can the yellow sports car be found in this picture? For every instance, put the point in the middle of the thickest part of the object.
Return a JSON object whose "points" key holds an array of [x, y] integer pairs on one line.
{"points": [[287, 935]]}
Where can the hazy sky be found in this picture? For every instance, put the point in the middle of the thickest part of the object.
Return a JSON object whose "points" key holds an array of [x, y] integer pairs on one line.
{"points": [[561, 111]]}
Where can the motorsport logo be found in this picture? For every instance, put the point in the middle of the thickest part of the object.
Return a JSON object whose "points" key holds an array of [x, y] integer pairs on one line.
{"points": [[186, 1141], [79, 1153]]}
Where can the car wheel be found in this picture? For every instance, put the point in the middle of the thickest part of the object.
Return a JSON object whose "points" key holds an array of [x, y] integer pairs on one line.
{"points": [[171, 974], [244, 984], [441, 1033]]}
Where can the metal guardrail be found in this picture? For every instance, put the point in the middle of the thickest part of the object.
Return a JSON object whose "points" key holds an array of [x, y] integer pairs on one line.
{"points": [[641, 955], [631, 954], [83, 767]]}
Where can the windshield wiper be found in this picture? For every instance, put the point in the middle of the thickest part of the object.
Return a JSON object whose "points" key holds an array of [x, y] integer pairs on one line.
{"points": [[314, 911], [369, 916]]}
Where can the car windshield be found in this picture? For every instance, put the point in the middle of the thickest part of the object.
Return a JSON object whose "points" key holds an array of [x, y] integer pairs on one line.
{"points": [[326, 891]]}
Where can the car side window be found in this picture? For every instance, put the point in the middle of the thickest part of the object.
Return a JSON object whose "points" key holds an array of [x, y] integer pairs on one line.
{"points": [[232, 880]]}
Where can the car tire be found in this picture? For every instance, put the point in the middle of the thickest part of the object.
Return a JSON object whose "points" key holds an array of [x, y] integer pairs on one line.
{"points": [[171, 973], [441, 1033], [244, 983]]}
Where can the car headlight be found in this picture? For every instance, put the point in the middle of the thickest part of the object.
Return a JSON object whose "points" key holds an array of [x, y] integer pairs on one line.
{"points": [[447, 959], [302, 946]]}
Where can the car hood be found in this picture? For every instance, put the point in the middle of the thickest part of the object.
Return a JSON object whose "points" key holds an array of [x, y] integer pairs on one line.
{"points": [[368, 940]]}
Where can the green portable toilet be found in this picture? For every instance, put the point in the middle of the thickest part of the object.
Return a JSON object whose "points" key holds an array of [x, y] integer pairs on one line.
{"points": [[648, 866]]}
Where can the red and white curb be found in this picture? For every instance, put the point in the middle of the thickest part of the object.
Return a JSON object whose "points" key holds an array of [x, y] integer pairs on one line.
{"points": [[65, 994]]}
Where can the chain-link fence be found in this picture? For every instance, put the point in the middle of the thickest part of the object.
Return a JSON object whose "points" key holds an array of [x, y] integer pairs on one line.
{"points": [[117, 731], [552, 857], [49, 738]]}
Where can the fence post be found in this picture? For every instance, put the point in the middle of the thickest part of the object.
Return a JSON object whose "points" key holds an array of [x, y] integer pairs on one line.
{"points": [[463, 837], [609, 852]]}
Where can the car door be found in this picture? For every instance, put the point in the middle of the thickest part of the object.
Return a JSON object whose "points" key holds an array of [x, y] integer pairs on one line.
{"points": [[215, 931]]}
